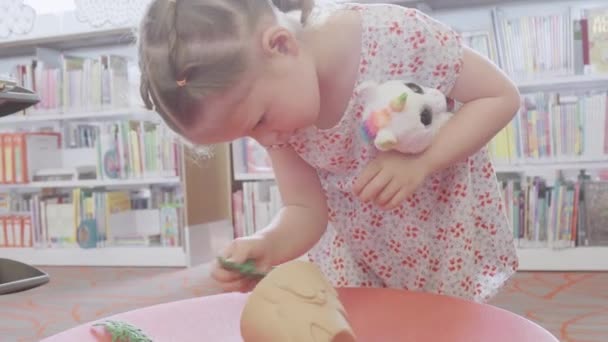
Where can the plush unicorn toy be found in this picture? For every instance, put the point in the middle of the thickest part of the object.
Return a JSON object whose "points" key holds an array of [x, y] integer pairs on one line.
{"points": [[402, 116]]}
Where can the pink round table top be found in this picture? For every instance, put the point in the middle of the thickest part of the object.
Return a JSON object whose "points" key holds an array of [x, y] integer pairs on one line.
{"points": [[376, 315]]}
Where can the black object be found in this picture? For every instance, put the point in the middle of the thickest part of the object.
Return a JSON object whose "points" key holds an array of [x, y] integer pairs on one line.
{"points": [[16, 276], [14, 98]]}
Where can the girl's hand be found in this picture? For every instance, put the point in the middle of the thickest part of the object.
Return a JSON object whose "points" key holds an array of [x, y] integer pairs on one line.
{"points": [[390, 178], [254, 248]]}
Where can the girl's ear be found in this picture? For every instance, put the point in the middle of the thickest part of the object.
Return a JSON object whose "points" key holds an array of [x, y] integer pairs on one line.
{"points": [[367, 89], [278, 40]]}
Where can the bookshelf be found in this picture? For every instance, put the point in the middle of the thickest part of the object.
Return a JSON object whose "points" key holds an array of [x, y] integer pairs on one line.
{"points": [[62, 40], [246, 176], [566, 82], [571, 132], [534, 167], [573, 80], [176, 203], [135, 113], [109, 256], [93, 183]]}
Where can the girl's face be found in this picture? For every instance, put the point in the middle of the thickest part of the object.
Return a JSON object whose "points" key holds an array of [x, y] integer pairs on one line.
{"points": [[279, 96]]}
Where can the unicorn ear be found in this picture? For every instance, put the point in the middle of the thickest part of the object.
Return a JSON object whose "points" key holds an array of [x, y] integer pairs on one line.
{"points": [[367, 89]]}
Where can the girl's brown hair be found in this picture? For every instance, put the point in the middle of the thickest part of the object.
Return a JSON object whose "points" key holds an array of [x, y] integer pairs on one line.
{"points": [[191, 48]]}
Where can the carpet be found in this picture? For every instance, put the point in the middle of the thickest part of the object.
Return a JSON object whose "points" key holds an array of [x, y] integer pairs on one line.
{"points": [[573, 306], [80, 294]]}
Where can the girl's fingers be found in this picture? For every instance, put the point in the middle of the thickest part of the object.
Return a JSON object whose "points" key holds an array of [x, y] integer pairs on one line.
{"points": [[368, 174], [388, 193], [375, 186], [398, 198], [221, 274]]}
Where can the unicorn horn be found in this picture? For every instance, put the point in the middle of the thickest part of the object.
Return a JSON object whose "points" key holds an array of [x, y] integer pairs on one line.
{"points": [[398, 104]]}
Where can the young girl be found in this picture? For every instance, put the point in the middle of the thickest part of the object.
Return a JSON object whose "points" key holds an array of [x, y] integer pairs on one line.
{"points": [[217, 70]]}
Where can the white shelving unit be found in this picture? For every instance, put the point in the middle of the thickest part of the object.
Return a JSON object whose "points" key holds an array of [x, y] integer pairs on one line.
{"points": [[134, 113], [108, 256], [568, 82], [243, 176], [533, 167], [567, 259], [63, 39], [204, 184], [92, 183]]}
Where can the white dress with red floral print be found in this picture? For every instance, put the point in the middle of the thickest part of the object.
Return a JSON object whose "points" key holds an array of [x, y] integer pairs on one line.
{"points": [[451, 236]]}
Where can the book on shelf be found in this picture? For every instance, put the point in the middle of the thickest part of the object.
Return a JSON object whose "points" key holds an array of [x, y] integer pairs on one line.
{"points": [[555, 126], [559, 41], [91, 218], [112, 149], [106, 150], [22, 153], [482, 42], [254, 207], [566, 213], [532, 46], [67, 83], [136, 149], [15, 223], [594, 38], [562, 214], [595, 213], [250, 157]]}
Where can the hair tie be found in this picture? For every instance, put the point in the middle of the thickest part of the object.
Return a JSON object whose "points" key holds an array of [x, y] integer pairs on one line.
{"points": [[180, 83]]}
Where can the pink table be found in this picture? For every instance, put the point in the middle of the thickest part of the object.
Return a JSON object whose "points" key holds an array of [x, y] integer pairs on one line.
{"points": [[377, 315]]}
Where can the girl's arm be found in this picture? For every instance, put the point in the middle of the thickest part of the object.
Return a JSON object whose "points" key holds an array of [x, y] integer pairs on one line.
{"points": [[303, 217], [490, 100]]}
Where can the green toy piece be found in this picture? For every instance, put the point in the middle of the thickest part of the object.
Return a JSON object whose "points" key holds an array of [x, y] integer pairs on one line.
{"points": [[247, 268], [124, 332]]}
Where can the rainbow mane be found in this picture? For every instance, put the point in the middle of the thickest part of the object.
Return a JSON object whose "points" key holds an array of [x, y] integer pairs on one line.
{"points": [[380, 118], [375, 122], [368, 131]]}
